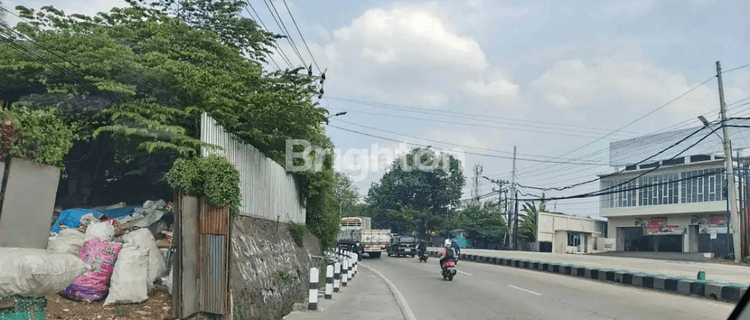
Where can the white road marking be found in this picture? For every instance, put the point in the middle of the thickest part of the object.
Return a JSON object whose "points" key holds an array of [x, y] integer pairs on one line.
{"points": [[522, 289], [466, 273], [405, 310]]}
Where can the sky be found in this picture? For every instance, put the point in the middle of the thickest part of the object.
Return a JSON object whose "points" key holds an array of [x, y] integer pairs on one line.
{"points": [[557, 80]]}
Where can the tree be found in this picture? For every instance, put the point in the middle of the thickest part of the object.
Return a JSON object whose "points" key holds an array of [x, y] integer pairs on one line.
{"points": [[152, 73], [416, 192], [346, 196], [527, 223]]}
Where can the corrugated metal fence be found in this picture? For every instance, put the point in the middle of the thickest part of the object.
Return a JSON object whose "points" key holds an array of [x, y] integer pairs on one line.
{"points": [[268, 191]]}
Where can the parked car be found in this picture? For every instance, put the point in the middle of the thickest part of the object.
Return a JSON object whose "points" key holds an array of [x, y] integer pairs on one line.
{"points": [[403, 246]]}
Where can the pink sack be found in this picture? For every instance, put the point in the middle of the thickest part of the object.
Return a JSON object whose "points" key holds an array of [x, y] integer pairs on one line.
{"points": [[92, 285]]}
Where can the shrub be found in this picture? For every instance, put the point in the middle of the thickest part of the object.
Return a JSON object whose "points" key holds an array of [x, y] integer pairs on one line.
{"points": [[213, 177], [298, 231], [40, 135]]}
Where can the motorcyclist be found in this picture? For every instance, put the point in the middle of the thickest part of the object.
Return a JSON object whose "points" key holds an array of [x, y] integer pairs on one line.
{"points": [[422, 247], [456, 248], [446, 253]]}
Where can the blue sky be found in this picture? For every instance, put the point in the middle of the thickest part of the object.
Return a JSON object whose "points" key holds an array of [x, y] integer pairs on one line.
{"points": [[523, 66]]}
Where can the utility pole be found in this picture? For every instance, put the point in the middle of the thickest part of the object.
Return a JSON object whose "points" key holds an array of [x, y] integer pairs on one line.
{"points": [[732, 190], [499, 190], [740, 191], [514, 222]]}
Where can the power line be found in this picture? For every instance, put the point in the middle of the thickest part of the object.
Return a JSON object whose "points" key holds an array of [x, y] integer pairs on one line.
{"points": [[639, 162], [437, 141], [281, 51], [467, 152], [284, 31], [737, 68], [472, 116], [470, 124], [303, 38], [642, 117]]}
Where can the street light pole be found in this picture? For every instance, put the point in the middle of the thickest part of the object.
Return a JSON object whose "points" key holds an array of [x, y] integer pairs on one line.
{"points": [[732, 191]]}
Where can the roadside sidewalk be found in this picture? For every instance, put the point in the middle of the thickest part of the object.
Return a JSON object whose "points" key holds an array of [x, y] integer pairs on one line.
{"points": [[366, 297], [714, 271]]}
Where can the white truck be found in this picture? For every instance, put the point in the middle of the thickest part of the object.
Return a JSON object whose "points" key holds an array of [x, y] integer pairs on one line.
{"points": [[357, 230]]}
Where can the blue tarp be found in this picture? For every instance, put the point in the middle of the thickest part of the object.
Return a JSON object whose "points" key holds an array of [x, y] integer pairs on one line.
{"points": [[118, 212], [72, 218]]}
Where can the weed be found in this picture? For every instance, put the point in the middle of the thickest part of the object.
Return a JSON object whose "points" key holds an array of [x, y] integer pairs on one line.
{"points": [[122, 312], [298, 231], [285, 277]]}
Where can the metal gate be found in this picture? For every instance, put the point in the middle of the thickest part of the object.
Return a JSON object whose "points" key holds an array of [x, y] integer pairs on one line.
{"points": [[202, 260]]}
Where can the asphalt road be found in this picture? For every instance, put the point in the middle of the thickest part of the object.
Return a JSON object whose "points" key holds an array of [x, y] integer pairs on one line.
{"points": [[481, 291]]}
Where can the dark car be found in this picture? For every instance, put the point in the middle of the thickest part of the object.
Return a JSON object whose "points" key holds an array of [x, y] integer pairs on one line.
{"points": [[403, 246]]}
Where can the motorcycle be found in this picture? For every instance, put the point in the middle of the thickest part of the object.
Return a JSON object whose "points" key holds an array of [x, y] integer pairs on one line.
{"points": [[423, 256], [448, 269]]}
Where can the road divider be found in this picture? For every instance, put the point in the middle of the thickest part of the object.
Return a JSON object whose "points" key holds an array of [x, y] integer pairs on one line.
{"points": [[722, 291]]}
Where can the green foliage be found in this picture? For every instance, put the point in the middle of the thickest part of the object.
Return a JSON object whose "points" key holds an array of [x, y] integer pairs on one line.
{"points": [[298, 231], [44, 137], [153, 73], [527, 222], [213, 177], [285, 277], [409, 198], [485, 220]]}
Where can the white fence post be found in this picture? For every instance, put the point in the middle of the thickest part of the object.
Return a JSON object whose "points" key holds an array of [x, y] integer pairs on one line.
{"points": [[329, 282], [313, 298]]}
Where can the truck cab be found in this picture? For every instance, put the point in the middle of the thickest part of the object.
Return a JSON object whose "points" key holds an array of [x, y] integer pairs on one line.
{"points": [[403, 246]]}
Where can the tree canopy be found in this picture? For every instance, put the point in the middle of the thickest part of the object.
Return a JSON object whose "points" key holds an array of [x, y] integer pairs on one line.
{"points": [[527, 222], [416, 192], [142, 75]]}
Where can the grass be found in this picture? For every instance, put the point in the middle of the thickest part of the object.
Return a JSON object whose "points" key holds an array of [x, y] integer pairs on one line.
{"points": [[285, 277], [122, 312], [322, 275]]}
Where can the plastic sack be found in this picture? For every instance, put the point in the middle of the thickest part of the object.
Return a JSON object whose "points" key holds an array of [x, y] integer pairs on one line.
{"points": [[67, 241], [101, 230], [37, 272], [144, 239], [92, 285], [71, 218], [129, 283]]}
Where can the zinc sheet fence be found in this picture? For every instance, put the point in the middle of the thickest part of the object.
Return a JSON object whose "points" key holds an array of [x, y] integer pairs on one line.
{"points": [[268, 191]]}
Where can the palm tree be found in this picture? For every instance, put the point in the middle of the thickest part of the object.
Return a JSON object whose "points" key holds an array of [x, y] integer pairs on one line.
{"points": [[527, 223]]}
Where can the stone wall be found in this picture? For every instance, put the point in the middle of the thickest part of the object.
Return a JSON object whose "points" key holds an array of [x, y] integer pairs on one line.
{"points": [[269, 272]]}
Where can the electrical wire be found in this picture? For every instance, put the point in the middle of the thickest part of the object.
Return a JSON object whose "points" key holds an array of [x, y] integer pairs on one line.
{"points": [[466, 152], [733, 69], [639, 162], [472, 116], [281, 51], [437, 141], [641, 117], [303, 38], [470, 124], [284, 31]]}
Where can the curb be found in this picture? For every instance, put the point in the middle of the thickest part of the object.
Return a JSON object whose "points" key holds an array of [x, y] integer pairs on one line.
{"points": [[722, 291]]}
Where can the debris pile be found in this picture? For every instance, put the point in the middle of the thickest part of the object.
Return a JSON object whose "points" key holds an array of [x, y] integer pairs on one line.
{"points": [[118, 253]]}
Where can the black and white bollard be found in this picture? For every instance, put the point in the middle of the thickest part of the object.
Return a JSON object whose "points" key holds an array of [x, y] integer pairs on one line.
{"points": [[313, 298], [344, 276], [356, 262], [349, 267], [329, 282], [336, 276]]}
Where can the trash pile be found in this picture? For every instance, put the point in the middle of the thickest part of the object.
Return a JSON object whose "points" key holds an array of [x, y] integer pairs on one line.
{"points": [[116, 254]]}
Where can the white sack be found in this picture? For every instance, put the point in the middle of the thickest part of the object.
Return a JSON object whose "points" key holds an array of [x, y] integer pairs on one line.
{"points": [[37, 272], [145, 240], [129, 282], [101, 230], [67, 241]]}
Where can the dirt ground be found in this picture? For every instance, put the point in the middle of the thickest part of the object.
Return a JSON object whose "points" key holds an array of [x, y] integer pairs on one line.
{"points": [[157, 307]]}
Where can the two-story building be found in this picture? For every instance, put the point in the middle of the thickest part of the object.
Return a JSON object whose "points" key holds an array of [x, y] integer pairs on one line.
{"points": [[679, 207]]}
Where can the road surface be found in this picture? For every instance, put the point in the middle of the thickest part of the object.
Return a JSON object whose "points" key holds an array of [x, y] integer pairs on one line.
{"points": [[482, 291]]}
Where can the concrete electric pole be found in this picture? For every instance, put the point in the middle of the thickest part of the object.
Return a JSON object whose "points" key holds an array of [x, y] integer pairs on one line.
{"points": [[732, 190]]}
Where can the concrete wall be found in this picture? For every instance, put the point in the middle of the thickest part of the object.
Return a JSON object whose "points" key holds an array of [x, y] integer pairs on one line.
{"points": [[262, 253], [28, 205]]}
